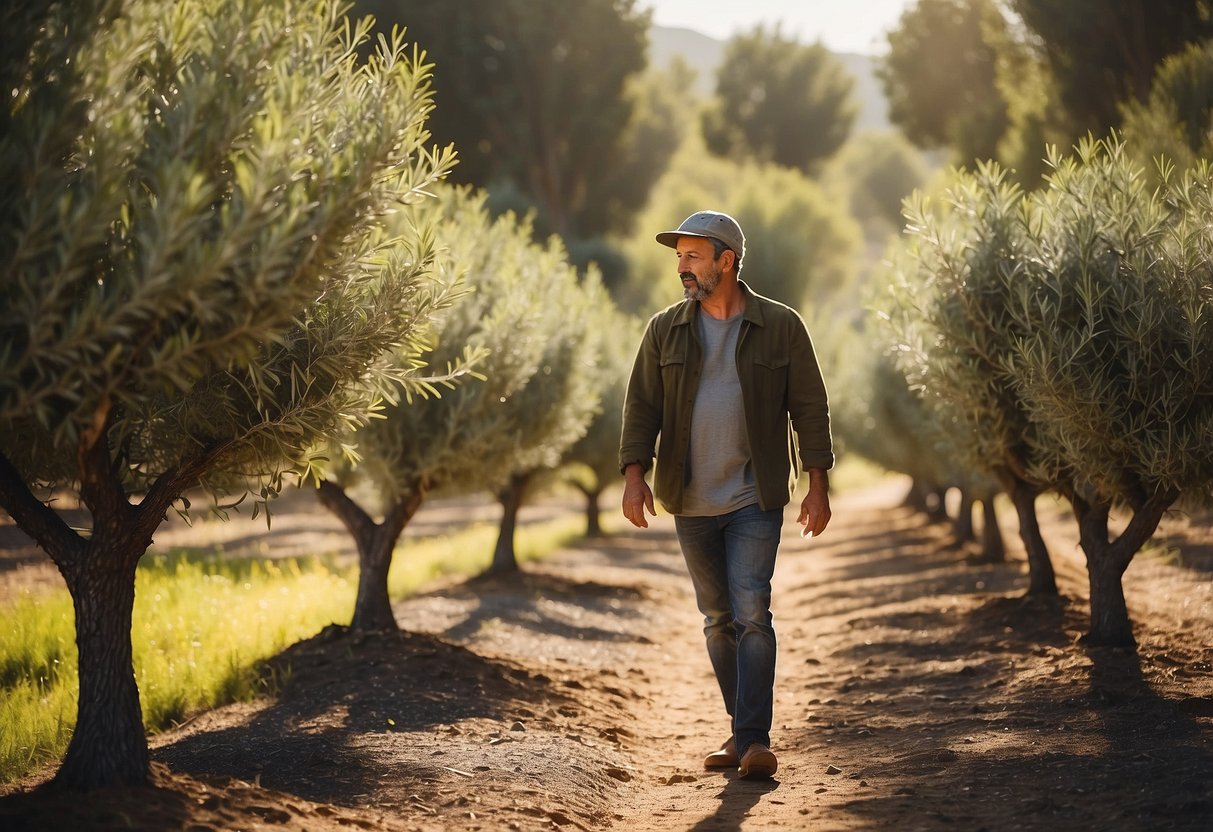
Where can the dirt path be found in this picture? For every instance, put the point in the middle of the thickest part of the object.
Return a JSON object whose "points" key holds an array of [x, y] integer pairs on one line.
{"points": [[915, 691]]}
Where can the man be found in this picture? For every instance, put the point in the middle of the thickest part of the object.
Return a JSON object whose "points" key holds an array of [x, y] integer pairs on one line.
{"points": [[722, 377]]}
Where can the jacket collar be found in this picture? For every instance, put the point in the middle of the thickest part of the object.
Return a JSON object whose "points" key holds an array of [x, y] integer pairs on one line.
{"points": [[753, 307]]}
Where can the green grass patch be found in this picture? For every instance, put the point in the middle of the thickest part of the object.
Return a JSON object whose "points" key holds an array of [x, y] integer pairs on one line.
{"points": [[202, 625]]}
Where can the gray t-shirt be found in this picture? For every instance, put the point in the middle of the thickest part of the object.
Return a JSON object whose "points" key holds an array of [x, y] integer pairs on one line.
{"points": [[721, 478]]}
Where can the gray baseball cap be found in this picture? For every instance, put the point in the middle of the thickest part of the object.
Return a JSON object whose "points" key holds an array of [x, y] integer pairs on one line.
{"points": [[712, 224]]}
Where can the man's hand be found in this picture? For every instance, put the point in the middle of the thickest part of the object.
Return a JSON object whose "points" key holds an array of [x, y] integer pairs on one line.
{"points": [[815, 507], [637, 498]]}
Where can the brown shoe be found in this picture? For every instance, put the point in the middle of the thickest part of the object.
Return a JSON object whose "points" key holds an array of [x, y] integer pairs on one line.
{"points": [[758, 763], [725, 757]]}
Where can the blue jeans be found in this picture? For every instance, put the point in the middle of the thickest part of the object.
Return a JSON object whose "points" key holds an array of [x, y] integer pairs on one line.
{"points": [[731, 559]]}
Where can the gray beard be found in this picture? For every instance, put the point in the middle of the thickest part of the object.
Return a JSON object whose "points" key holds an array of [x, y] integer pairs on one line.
{"points": [[702, 288]]}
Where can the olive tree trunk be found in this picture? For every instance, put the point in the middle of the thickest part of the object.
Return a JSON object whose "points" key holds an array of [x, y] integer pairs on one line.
{"points": [[375, 542], [962, 526], [1041, 579], [108, 745], [511, 496], [993, 547], [593, 514], [1107, 561]]}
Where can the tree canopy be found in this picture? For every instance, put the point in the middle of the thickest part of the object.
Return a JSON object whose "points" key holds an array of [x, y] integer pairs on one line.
{"points": [[940, 76], [524, 320], [197, 286], [780, 101], [1069, 326], [1102, 54], [536, 97]]}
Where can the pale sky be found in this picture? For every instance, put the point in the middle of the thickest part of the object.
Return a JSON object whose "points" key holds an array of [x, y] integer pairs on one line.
{"points": [[841, 25]]}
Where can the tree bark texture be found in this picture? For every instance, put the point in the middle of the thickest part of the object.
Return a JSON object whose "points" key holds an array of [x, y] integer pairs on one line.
{"points": [[108, 746], [1107, 561], [376, 542]]}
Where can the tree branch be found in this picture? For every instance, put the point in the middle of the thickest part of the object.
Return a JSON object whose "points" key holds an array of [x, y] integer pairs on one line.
{"points": [[351, 515], [37, 519]]}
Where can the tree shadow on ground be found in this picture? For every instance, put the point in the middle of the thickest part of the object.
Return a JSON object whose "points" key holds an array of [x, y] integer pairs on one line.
{"points": [[975, 710], [340, 697]]}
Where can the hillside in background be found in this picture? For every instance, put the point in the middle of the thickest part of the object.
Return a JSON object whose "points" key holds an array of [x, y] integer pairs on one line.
{"points": [[705, 53]]}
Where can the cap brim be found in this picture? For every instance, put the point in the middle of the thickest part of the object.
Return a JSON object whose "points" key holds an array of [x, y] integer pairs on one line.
{"points": [[670, 238]]}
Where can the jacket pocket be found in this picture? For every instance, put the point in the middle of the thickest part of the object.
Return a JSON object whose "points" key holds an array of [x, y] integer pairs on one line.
{"points": [[770, 377]]}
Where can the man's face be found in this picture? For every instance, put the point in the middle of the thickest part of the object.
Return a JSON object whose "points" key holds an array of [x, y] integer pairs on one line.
{"points": [[698, 267]]}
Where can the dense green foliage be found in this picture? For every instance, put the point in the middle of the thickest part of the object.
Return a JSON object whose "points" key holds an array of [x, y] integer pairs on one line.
{"points": [[524, 302], [535, 96], [525, 323], [197, 286], [940, 76], [779, 101], [999, 81], [1067, 331], [194, 270], [1102, 54]]}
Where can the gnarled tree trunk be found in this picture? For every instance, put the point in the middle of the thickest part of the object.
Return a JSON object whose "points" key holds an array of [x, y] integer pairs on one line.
{"points": [[1107, 561], [376, 542], [108, 745]]}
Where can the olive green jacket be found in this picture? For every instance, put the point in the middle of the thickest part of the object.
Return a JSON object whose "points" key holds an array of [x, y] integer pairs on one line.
{"points": [[781, 388]]}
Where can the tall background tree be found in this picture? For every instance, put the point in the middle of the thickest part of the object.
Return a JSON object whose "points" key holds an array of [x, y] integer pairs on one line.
{"points": [[999, 81], [1103, 54], [196, 285], [539, 97], [780, 101], [940, 77], [1176, 120]]}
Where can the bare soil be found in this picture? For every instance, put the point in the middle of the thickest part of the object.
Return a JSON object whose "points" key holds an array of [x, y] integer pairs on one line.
{"points": [[917, 689]]}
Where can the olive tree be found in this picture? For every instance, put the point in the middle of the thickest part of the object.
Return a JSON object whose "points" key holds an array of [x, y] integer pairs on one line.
{"points": [[593, 462], [554, 409], [1116, 352], [950, 305], [1075, 320], [465, 439], [195, 283]]}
